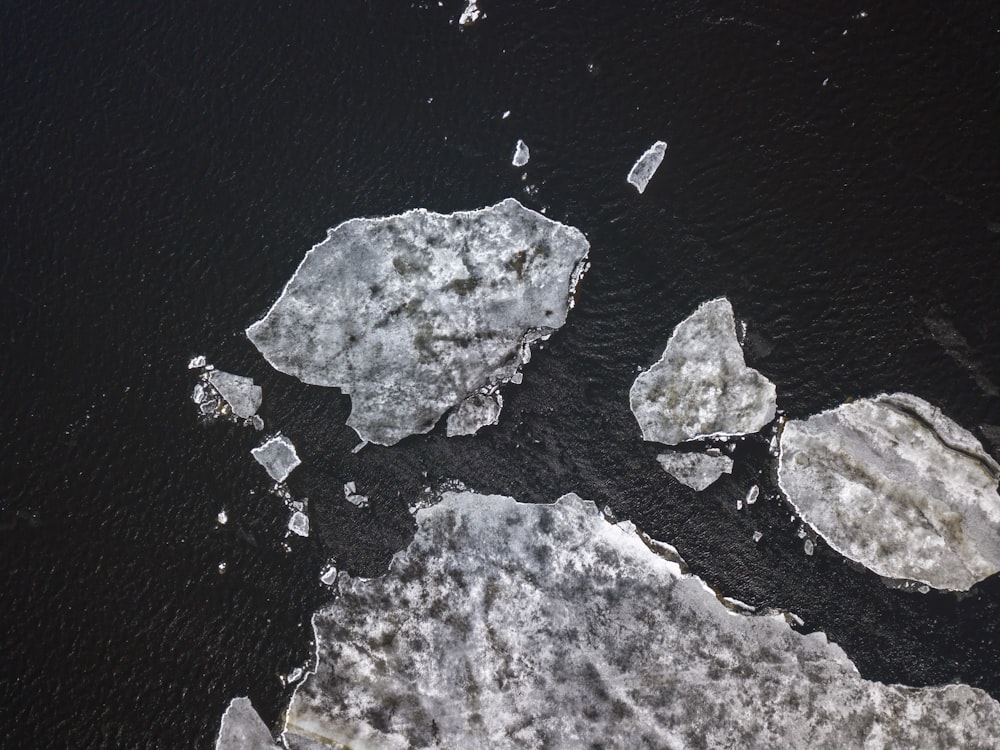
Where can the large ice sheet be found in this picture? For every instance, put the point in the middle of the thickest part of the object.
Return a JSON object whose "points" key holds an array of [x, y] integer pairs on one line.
{"points": [[508, 625], [896, 485], [413, 313], [278, 457], [701, 386], [646, 165], [243, 729], [696, 470]]}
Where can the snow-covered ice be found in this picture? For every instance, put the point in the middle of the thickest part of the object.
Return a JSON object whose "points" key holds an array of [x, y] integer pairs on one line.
{"points": [[701, 386], [521, 154], [412, 314], [278, 457], [647, 164], [243, 729], [696, 470], [894, 484]]}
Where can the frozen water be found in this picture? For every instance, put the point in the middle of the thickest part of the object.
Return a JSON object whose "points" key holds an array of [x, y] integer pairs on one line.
{"points": [[328, 575], [277, 455], [521, 154], [471, 13], [197, 362], [695, 470], [508, 625], [223, 517], [701, 386], [893, 483], [478, 410], [644, 169], [299, 523], [411, 314], [352, 496], [243, 729], [752, 494], [239, 392]]}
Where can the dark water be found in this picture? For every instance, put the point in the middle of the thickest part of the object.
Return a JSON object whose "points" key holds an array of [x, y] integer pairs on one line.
{"points": [[164, 169]]}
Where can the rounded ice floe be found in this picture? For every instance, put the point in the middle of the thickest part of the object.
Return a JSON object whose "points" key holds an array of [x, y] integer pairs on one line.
{"points": [[893, 483], [696, 470], [508, 625], [647, 164], [701, 386], [521, 154], [243, 729], [414, 313]]}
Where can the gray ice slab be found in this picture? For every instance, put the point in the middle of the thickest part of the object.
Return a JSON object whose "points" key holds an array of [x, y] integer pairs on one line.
{"points": [[696, 470], [413, 313], [893, 483], [243, 729], [647, 164], [701, 386], [514, 625], [521, 154], [243, 397], [277, 455]]}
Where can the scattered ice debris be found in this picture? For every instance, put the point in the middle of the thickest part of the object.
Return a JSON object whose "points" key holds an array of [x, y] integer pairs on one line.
{"points": [[328, 576], [757, 536], [197, 363], [243, 729], [505, 115], [298, 523], [476, 411], [413, 313], [278, 457], [471, 13], [894, 484], [695, 470], [521, 154], [223, 517], [752, 494], [352, 496], [701, 386], [642, 171], [553, 613]]}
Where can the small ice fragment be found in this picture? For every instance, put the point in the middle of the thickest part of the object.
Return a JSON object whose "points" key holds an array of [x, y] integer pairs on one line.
{"points": [[739, 503], [505, 115], [257, 422], [294, 676], [826, 81], [642, 171], [809, 546], [521, 154], [753, 494], [757, 536], [239, 392], [243, 729], [359, 446], [470, 15], [223, 517], [197, 362], [299, 523], [352, 496], [863, 14], [277, 455], [329, 575], [222, 567]]}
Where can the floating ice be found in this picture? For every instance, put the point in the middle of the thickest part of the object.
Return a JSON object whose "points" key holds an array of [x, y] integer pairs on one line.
{"points": [[894, 484], [328, 575], [752, 494], [521, 154], [478, 410], [239, 392], [277, 455], [642, 171], [223, 517], [471, 13], [352, 496], [701, 386], [298, 523], [197, 362], [508, 625], [505, 115], [413, 313], [243, 729], [695, 470]]}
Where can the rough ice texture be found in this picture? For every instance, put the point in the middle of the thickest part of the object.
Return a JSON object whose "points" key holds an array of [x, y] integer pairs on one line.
{"points": [[896, 485], [508, 625], [696, 470], [243, 729], [644, 169], [413, 313], [701, 386], [277, 455], [521, 154], [243, 397]]}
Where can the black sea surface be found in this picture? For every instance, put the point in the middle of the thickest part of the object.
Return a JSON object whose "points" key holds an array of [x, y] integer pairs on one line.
{"points": [[833, 169]]}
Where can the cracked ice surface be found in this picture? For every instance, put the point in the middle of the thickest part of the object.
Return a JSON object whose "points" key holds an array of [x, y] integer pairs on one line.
{"points": [[277, 455], [701, 386], [243, 729], [696, 470], [413, 313], [893, 483], [509, 625], [644, 169]]}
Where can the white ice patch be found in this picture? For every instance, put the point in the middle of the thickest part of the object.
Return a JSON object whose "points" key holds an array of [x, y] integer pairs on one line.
{"points": [[243, 729], [278, 457], [298, 523], [644, 169], [894, 484], [695, 470], [521, 154]]}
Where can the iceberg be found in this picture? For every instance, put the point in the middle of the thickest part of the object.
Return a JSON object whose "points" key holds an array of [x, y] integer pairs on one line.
{"points": [[278, 457], [695, 470], [510, 625], [243, 729], [521, 154], [644, 169], [894, 484], [701, 386], [412, 314]]}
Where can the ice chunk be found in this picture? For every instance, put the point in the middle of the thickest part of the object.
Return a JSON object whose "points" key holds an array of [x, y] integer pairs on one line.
{"points": [[521, 154], [197, 362], [243, 729], [352, 496], [509, 625], [471, 13], [298, 523], [695, 470], [894, 484], [239, 392], [277, 455], [701, 386], [757, 536], [223, 517], [478, 410], [411, 314], [752, 494], [809, 546], [505, 115], [328, 576], [642, 171]]}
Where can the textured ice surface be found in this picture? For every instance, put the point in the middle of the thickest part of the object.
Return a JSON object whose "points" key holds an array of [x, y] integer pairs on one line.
{"points": [[644, 169], [696, 470], [894, 484], [243, 729], [413, 313], [239, 392], [521, 154], [701, 385], [277, 455], [509, 625]]}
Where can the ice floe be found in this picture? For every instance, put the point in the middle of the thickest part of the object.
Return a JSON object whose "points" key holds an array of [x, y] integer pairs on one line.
{"points": [[509, 625], [695, 470], [352, 496], [222, 394], [243, 729], [701, 386], [278, 457], [414, 313], [521, 154], [298, 523], [894, 484], [644, 169], [475, 412], [471, 14]]}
